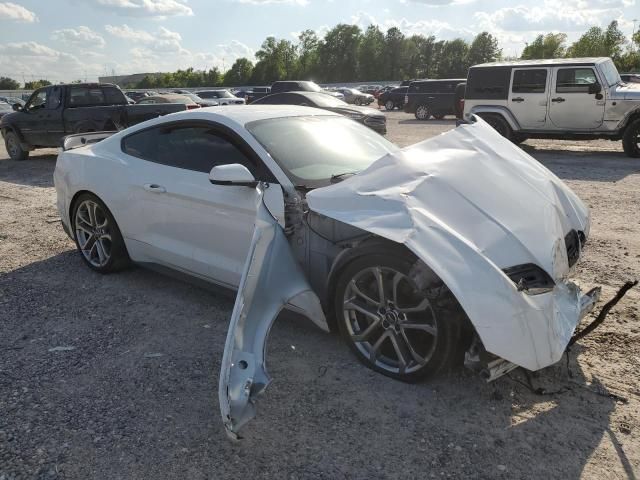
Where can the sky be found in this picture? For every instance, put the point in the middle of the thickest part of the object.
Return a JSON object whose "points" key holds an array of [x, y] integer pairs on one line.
{"points": [[66, 40]]}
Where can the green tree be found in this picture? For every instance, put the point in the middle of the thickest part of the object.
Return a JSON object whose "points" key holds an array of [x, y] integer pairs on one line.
{"points": [[483, 49], [551, 45], [599, 43], [394, 43], [308, 44], [7, 83], [453, 59], [276, 61], [371, 54], [239, 73], [338, 53], [36, 84]]}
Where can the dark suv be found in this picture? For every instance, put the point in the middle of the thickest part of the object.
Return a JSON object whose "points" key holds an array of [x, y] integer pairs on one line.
{"points": [[437, 98]]}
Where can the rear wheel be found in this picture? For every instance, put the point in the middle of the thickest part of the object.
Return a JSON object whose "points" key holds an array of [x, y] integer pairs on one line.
{"points": [[422, 112], [14, 148], [631, 139], [97, 235], [393, 326], [389, 105], [499, 124]]}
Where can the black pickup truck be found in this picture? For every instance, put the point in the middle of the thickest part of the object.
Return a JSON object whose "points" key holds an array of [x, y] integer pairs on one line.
{"points": [[55, 111]]}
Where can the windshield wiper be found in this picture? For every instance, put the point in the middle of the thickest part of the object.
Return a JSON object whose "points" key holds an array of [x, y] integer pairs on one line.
{"points": [[339, 176]]}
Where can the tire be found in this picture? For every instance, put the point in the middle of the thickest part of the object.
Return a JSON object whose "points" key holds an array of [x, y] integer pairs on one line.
{"points": [[97, 236], [631, 139], [439, 116], [389, 105], [499, 124], [422, 112], [378, 333], [14, 149]]}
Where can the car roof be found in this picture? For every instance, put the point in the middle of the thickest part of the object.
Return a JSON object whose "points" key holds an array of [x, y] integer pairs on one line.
{"points": [[435, 80], [546, 61], [249, 113]]}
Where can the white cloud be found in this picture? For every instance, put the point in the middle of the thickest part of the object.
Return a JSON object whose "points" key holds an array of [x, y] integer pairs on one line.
{"points": [[442, 30], [79, 37], [12, 11], [273, 2], [127, 33], [146, 8]]}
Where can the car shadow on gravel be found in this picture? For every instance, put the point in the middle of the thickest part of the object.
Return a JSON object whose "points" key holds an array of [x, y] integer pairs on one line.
{"points": [[36, 171], [115, 376], [444, 122], [587, 166]]}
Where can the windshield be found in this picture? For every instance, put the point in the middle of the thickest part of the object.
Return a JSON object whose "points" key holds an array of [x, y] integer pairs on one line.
{"points": [[323, 100], [312, 149], [610, 72]]}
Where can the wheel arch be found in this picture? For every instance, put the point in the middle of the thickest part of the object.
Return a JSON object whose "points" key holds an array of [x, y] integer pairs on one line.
{"points": [[629, 118], [504, 112]]}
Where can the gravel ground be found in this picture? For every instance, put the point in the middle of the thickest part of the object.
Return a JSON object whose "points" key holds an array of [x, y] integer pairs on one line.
{"points": [[115, 377]]}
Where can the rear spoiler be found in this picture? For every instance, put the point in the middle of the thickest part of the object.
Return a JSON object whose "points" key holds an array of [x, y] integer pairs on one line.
{"points": [[81, 139]]}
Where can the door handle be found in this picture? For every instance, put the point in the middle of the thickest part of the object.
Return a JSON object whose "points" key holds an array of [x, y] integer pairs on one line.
{"points": [[154, 188], [517, 99], [557, 100]]}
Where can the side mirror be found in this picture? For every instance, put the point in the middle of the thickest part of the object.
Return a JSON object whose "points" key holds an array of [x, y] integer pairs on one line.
{"points": [[17, 107], [595, 88], [232, 174]]}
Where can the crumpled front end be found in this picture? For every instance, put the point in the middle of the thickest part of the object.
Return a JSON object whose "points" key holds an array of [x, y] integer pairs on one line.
{"points": [[474, 207]]}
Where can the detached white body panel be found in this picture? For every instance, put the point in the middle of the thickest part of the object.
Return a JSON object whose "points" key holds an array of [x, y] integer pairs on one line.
{"points": [[469, 203]]}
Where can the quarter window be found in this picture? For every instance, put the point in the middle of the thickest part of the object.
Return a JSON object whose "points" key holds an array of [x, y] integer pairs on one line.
{"points": [[196, 148], [529, 81], [575, 80]]}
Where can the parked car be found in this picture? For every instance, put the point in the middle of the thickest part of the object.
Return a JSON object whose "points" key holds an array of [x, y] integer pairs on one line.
{"points": [[58, 110], [301, 208], [355, 96], [426, 98], [137, 96], [302, 86], [564, 98], [223, 97], [630, 77], [174, 98], [367, 116], [12, 100], [393, 98], [5, 108], [203, 102]]}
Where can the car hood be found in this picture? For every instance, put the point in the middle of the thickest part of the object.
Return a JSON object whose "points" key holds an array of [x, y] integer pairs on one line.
{"points": [[472, 183], [345, 110], [628, 91]]}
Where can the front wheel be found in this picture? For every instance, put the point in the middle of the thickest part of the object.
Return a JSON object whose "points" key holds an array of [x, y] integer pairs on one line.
{"points": [[422, 112], [97, 235], [631, 139], [14, 148], [392, 325]]}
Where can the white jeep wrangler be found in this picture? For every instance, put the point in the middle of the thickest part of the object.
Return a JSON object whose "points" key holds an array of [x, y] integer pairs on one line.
{"points": [[563, 98]]}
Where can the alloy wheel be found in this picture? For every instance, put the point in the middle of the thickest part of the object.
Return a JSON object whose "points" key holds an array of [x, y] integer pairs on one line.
{"points": [[422, 112], [93, 233], [389, 320], [389, 105]]}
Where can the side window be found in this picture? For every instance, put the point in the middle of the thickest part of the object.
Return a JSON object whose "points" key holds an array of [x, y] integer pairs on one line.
{"points": [[78, 96], [575, 80], [488, 83], [38, 100], [113, 95], [529, 81], [191, 148], [55, 97]]}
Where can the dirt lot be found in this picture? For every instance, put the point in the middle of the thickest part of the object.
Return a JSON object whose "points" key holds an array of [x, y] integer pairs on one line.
{"points": [[133, 392]]}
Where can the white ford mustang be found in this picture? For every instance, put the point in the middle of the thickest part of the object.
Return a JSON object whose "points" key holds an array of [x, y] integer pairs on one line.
{"points": [[461, 243]]}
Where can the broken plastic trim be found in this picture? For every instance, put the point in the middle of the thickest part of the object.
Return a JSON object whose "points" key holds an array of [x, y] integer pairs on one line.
{"points": [[271, 280]]}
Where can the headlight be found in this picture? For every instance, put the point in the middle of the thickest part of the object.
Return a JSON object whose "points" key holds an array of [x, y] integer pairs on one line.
{"points": [[530, 278]]}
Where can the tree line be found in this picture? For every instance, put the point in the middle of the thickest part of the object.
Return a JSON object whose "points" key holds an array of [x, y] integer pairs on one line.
{"points": [[346, 53]]}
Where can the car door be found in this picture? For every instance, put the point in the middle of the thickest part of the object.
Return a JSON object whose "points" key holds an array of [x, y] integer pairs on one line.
{"points": [[53, 116], [32, 122], [528, 96], [572, 106], [190, 224]]}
